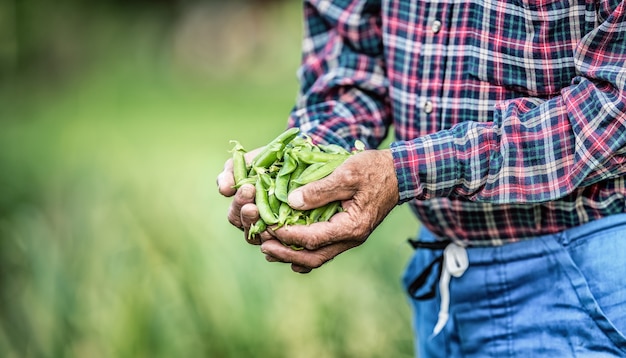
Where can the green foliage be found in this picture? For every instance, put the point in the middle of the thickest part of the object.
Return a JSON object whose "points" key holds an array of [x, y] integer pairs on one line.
{"points": [[114, 241]]}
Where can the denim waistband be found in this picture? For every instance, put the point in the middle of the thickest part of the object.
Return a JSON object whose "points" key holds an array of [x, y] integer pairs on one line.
{"points": [[520, 250], [529, 247], [429, 241]]}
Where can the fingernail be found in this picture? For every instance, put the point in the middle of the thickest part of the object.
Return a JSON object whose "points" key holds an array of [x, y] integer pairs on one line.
{"points": [[296, 200]]}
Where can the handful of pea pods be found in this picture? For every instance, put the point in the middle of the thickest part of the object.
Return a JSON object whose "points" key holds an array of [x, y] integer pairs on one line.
{"points": [[287, 162]]}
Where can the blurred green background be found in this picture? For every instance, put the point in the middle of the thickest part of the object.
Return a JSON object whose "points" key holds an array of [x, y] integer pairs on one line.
{"points": [[116, 119]]}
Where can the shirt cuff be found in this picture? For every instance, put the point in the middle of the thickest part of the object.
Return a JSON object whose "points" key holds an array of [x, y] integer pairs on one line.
{"points": [[426, 167]]}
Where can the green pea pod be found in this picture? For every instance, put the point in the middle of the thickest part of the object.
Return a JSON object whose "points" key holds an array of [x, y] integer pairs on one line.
{"points": [[273, 169], [267, 156], [302, 142], [333, 148], [240, 170], [316, 213], [274, 149], [283, 213], [293, 247], [262, 203], [296, 173], [274, 203], [296, 247], [289, 164], [311, 157], [252, 172], [258, 227], [288, 135], [329, 210], [297, 216], [317, 171], [266, 179], [248, 180], [282, 187], [281, 183]]}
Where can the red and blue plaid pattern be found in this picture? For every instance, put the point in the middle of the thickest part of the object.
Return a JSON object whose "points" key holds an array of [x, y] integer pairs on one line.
{"points": [[509, 115]]}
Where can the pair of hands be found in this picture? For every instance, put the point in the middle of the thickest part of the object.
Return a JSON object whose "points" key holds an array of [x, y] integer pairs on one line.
{"points": [[365, 183]]}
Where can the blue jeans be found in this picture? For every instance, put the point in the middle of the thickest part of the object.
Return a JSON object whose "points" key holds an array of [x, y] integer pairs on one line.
{"points": [[561, 295]]}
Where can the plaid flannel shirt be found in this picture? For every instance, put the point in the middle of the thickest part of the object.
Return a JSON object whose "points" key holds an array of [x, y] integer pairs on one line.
{"points": [[509, 115]]}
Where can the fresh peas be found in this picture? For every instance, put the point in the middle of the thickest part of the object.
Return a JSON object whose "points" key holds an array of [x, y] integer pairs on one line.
{"points": [[274, 201], [333, 149], [315, 214], [296, 173], [262, 202], [330, 209], [281, 187], [257, 228], [311, 157], [289, 164], [271, 152], [284, 212], [289, 161], [317, 171], [239, 163]]}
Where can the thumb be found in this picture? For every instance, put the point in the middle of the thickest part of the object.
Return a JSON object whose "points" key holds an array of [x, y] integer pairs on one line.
{"points": [[320, 192]]}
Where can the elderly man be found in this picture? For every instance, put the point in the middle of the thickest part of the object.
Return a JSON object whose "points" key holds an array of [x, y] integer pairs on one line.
{"points": [[510, 133]]}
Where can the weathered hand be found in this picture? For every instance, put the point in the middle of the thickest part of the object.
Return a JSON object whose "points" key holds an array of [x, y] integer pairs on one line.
{"points": [[242, 212], [366, 184]]}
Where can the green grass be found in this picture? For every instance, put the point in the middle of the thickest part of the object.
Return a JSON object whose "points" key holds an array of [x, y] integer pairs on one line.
{"points": [[114, 241]]}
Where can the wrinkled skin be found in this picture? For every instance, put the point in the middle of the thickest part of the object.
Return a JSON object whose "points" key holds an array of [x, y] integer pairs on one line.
{"points": [[367, 186]]}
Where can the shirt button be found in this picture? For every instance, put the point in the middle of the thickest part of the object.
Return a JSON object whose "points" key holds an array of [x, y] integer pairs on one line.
{"points": [[428, 107], [436, 26]]}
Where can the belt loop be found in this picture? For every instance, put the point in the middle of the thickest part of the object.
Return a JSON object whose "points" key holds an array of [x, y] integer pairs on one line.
{"points": [[422, 278], [420, 281]]}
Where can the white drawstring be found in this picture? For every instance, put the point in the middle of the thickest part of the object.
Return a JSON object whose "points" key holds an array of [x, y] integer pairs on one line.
{"points": [[455, 262]]}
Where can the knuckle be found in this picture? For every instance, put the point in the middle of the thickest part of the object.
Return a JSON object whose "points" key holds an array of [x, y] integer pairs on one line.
{"points": [[244, 195], [264, 236], [315, 241], [350, 175], [314, 190]]}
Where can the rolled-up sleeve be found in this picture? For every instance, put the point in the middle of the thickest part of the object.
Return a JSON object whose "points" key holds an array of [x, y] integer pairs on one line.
{"points": [[535, 150]]}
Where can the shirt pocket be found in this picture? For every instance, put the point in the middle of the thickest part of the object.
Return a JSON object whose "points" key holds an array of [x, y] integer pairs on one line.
{"points": [[524, 45]]}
